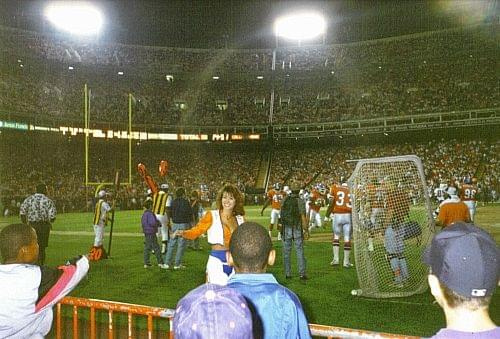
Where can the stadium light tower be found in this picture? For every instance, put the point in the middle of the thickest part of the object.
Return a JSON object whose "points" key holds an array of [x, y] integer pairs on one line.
{"points": [[76, 17], [298, 26]]}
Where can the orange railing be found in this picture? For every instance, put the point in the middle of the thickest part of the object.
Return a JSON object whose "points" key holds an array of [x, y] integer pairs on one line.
{"points": [[158, 312], [111, 307]]}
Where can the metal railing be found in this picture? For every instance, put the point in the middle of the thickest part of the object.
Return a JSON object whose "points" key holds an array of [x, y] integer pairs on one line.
{"points": [[157, 312]]}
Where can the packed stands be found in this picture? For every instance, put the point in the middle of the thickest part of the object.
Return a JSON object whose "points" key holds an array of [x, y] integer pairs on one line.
{"points": [[430, 72]]}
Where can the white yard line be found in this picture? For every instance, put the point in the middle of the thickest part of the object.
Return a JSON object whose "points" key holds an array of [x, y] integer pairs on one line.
{"points": [[397, 301], [119, 234]]}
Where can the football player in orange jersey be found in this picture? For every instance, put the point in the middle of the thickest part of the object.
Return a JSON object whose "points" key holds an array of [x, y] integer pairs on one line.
{"points": [[452, 210], [341, 223], [316, 201], [274, 197], [468, 192]]}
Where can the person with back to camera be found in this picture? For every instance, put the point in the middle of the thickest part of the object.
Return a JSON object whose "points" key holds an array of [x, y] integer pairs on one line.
{"points": [[150, 227], [452, 209], [182, 215], [28, 291], [39, 212], [464, 263], [294, 229], [219, 225], [213, 311], [278, 309]]}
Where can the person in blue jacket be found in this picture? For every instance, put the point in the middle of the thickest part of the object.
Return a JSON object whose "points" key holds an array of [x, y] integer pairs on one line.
{"points": [[278, 310]]}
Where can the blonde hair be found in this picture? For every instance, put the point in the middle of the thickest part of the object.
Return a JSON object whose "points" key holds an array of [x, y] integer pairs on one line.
{"points": [[237, 195]]}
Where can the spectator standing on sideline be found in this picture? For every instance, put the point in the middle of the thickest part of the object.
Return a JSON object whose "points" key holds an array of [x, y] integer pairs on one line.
{"points": [[278, 309], [452, 209], [28, 291], [219, 225], [213, 311], [182, 216], [464, 264], [294, 224], [150, 227], [39, 212]]}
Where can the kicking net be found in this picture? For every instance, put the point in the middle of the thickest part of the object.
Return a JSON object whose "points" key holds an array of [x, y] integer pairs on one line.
{"points": [[392, 225]]}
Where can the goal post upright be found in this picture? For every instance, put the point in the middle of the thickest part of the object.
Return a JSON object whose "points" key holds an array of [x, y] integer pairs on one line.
{"points": [[87, 133]]}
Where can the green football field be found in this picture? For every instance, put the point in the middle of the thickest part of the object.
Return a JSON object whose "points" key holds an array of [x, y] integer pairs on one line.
{"points": [[325, 296]]}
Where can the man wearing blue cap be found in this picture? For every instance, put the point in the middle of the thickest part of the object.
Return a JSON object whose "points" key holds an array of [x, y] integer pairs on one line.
{"points": [[464, 265]]}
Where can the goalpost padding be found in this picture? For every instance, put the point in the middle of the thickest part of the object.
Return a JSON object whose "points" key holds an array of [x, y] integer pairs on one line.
{"points": [[392, 225]]}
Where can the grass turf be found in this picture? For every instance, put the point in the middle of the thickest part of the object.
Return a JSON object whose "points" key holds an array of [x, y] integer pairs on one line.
{"points": [[325, 296]]}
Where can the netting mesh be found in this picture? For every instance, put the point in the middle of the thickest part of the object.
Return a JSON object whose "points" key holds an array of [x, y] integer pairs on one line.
{"points": [[392, 225]]}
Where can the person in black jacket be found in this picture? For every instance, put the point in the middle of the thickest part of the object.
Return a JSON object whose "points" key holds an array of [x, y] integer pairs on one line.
{"points": [[182, 216]]}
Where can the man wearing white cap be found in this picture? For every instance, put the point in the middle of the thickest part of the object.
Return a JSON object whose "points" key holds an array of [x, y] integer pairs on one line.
{"points": [[452, 209], [100, 220]]}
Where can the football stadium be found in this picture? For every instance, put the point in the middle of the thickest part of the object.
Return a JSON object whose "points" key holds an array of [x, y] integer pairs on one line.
{"points": [[140, 138]]}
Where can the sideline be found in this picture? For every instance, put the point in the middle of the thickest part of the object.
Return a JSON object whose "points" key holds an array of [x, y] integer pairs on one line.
{"points": [[91, 233]]}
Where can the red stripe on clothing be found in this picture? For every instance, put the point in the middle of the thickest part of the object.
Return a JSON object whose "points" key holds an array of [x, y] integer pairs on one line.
{"points": [[60, 285]]}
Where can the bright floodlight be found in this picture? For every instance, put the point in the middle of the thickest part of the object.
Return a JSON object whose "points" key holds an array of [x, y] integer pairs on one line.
{"points": [[301, 26], [75, 17]]}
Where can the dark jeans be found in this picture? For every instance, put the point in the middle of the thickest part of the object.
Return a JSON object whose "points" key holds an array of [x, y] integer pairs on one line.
{"points": [[42, 230], [151, 243]]}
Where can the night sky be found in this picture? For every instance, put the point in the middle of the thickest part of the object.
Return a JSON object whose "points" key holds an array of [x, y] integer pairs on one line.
{"points": [[248, 24]]}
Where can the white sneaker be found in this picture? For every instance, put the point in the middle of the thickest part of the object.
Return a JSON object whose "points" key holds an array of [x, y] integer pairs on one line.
{"points": [[180, 267], [334, 263], [164, 266], [349, 265], [279, 235]]}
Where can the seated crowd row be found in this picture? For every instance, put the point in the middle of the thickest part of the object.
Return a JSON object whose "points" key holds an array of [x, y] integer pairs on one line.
{"points": [[439, 72]]}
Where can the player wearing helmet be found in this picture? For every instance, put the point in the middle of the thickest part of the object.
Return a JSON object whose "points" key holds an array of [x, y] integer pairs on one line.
{"points": [[161, 208], [101, 211], [204, 196], [316, 201], [275, 197], [341, 222], [468, 192]]}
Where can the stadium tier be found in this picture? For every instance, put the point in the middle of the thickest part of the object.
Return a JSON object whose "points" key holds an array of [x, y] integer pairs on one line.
{"points": [[442, 71]]}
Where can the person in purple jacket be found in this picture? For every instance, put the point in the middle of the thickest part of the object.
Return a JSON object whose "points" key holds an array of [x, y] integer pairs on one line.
{"points": [[150, 227]]}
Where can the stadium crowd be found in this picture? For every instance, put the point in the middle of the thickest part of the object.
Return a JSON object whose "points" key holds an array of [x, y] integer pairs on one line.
{"points": [[434, 72], [58, 160]]}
